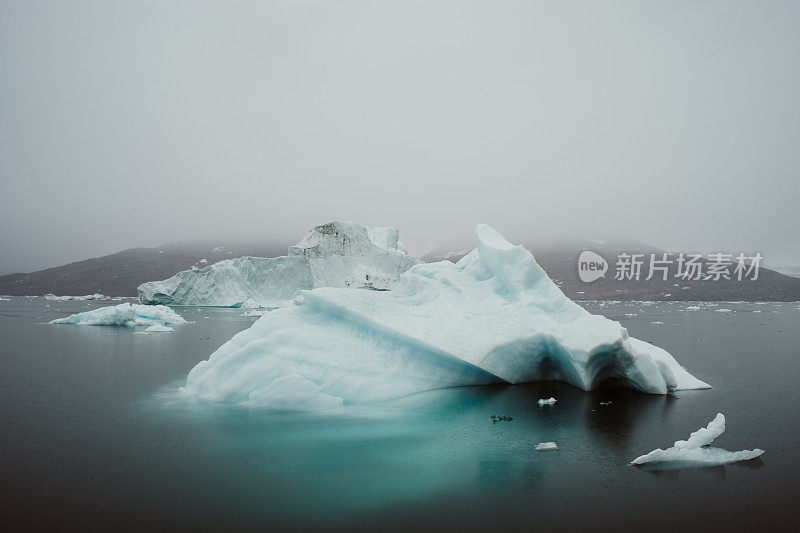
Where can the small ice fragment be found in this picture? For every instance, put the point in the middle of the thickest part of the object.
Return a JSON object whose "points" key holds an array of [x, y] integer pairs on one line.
{"points": [[723, 310], [605, 403], [549, 401], [543, 446]]}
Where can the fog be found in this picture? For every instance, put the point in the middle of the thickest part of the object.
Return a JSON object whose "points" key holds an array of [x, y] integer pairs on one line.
{"points": [[135, 124]]}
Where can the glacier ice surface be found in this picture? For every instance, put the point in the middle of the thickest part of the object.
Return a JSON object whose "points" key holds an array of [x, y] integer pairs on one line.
{"points": [[696, 451], [337, 254], [493, 317], [126, 314]]}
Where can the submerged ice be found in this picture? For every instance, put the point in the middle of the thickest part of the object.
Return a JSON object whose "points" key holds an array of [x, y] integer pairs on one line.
{"points": [[126, 314], [696, 450], [337, 254], [493, 317]]}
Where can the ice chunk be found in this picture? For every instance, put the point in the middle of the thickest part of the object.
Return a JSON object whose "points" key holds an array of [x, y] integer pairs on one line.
{"points": [[543, 446], [126, 314], [548, 401], [722, 310], [695, 450], [494, 316], [337, 254], [79, 298], [158, 328]]}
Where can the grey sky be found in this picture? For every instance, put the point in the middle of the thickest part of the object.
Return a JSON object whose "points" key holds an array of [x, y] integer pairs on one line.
{"points": [[130, 124]]}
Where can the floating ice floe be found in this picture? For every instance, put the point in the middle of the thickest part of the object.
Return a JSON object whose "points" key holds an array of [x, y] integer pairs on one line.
{"points": [[126, 314], [337, 254], [695, 450], [494, 317], [723, 310], [544, 446], [548, 401], [79, 298]]}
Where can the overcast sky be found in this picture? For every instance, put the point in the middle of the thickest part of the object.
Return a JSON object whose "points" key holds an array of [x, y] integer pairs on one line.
{"points": [[134, 124]]}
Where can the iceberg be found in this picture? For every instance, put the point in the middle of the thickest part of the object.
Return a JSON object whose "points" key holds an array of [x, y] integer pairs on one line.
{"points": [[337, 254], [126, 314], [696, 451], [548, 401], [493, 317], [544, 446]]}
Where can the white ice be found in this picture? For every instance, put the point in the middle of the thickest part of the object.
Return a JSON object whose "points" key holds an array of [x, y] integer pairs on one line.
{"points": [[126, 314], [337, 254], [79, 298], [543, 446], [493, 317], [158, 328], [696, 450], [548, 401]]}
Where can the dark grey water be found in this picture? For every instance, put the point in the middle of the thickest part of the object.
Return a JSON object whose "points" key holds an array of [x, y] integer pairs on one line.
{"points": [[92, 437]]}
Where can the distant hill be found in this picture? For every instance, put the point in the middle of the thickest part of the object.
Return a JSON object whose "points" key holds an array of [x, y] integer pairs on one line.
{"points": [[793, 271], [560, 261], [119, 274]]}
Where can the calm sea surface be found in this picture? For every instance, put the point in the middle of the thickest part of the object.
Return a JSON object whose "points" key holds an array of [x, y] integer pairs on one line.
{"points": [[93, 436]]}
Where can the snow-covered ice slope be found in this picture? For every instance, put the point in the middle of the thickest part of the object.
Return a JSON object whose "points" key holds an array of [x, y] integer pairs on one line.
{"points": [[338, 254], [494, 316], [126, 314], [695, 450]]}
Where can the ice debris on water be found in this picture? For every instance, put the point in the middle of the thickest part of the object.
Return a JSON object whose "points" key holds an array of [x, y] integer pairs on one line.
{"points": [[126, 314], [544, 446], [696, 450], [548, 401], [78, 298]]}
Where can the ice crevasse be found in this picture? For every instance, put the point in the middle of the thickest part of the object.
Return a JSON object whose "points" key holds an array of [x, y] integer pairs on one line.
{"points": [[493, 317]]}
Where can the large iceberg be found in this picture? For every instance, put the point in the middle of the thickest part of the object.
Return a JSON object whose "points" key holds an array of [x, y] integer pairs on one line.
{"points": [[126, 314], [695, 451], [337, 254], [493, 317]]}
